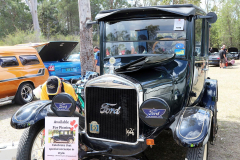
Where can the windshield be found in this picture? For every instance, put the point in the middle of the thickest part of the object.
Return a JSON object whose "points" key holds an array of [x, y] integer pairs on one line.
{"points": [[155, 36], [74, 57]]}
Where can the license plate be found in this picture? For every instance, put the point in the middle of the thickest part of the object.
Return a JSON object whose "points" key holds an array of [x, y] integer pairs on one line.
{"points": [[69, 69]]}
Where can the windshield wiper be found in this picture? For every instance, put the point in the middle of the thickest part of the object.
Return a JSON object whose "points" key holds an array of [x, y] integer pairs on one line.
{"points": [[145, 62]]}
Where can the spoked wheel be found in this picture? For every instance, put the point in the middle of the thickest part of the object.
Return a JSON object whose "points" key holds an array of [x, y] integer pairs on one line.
{"points": [[198, 153], [32, 142]]}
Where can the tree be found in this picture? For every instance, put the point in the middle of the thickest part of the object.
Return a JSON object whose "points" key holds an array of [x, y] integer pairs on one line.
{"points": [[68, 16], [32, 4], [86, 48], [14, 15], [48, 18]]}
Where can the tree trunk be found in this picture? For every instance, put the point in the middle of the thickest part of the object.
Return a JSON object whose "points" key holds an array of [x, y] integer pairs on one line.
{"points": [[86, 47], [33, 9]]}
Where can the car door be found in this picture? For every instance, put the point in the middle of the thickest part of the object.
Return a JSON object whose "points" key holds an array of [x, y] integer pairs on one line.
{"points": [[200, 57]]}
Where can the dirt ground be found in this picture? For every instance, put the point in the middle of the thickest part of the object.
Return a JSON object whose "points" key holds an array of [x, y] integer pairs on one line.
{"points": [[227, 145]]}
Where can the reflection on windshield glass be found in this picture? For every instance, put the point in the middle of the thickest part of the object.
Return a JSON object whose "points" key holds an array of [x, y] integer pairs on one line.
{"points": [[157, 47], [157, 36]]}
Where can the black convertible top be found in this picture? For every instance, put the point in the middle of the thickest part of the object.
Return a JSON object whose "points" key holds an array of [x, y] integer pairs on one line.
{"points": [[180, 10]]}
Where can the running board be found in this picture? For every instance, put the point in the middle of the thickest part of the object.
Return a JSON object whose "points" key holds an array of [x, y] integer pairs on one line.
{"points": [[5, 102]]}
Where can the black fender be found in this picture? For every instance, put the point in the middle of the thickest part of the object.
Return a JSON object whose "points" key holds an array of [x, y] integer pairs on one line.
{"points": [[30, 114], [192, 127], [209, 101]]}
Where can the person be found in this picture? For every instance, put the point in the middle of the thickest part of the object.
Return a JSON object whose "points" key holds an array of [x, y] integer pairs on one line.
{"points": [[54, 86], [97, 59], [211, 50], [223, 59]]}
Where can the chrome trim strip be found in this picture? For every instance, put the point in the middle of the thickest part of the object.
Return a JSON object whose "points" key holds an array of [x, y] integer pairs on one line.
{"points": [[5, 102], [24, 77], [107, 81], [7, 98]]}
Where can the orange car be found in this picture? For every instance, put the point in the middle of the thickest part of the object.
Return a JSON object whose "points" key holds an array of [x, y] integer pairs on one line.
{"points": [[21, 70]]}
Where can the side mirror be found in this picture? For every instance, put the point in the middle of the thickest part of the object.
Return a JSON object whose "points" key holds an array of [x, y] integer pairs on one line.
{"points": [[90, 23], [211, 17]]}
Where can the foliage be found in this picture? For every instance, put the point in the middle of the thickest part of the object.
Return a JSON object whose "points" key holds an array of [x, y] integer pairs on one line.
{"points": [[14, 14], [21, 36], [59, 19]]}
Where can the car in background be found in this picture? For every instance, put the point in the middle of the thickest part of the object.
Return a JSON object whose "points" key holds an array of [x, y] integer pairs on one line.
{"points": [[21, 70], [63, 136], [233, 53], [214, 57], [73, 58], [55, 58]]}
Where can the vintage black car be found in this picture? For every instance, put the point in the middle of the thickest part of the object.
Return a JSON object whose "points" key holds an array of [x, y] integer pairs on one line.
{"points": [[233, 53], [63, 136], [153, 62]]}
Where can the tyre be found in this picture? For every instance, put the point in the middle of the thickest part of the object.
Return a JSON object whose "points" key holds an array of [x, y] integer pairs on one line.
{"points": [[52, 140], [198, 153], [31, 145], [24, 94], [70, 141]]}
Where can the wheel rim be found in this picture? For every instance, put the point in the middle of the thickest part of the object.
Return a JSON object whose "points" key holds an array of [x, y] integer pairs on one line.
{"points": [[205, 152], [70, 141], [52, 140], [27, 93], [38, 146]]}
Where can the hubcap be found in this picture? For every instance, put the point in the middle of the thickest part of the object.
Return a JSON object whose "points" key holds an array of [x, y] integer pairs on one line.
{"points": [[27, 93], [70, 141], [205, 152], [38, 146]]}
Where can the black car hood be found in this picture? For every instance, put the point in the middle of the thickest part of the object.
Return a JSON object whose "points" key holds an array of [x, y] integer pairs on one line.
{"points": [[56, 51], [232, 49], [215, 49]]}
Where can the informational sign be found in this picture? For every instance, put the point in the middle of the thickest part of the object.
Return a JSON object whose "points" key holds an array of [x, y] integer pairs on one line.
{"points": [[61, 138], [178, 24]]}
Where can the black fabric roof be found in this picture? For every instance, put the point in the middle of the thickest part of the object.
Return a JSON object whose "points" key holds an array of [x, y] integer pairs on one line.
{"points": [[181, 10]]}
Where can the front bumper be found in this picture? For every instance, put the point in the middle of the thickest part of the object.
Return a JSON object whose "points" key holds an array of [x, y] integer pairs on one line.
{"points": [[116, 149]]}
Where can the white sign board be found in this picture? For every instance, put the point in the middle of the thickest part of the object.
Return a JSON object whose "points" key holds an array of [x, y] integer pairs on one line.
{"points": [[61, 138], [178, 24]]}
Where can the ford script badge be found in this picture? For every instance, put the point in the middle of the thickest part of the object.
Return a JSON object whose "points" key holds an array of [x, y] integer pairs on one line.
{"points": [[154, 113], [105, 108], [63, 106], [94, 127]]}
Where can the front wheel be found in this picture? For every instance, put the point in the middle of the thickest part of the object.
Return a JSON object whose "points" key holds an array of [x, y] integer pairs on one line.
{"points": [[200, 153], [31, 145]]}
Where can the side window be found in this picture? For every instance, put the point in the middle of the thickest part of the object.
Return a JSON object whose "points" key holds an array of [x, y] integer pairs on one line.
{"points": [[8, 61], [198, 36], [29, 60]]}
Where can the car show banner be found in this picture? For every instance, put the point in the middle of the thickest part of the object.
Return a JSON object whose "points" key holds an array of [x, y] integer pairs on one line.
{"points": [[61, 138]]}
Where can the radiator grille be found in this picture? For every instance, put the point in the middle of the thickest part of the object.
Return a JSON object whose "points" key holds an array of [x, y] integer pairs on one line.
{"points": [[112, 126]]}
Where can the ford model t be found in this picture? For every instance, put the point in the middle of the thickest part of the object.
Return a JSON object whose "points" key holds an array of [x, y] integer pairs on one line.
{"points": [[154, 63]]}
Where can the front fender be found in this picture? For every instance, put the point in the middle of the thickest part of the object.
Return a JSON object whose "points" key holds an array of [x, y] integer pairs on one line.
{"points": [[193, 127], [29, 114]]}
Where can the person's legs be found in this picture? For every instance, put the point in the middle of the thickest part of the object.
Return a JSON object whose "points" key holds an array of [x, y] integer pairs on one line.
{"points": [[98, 69], [223, 63]]}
